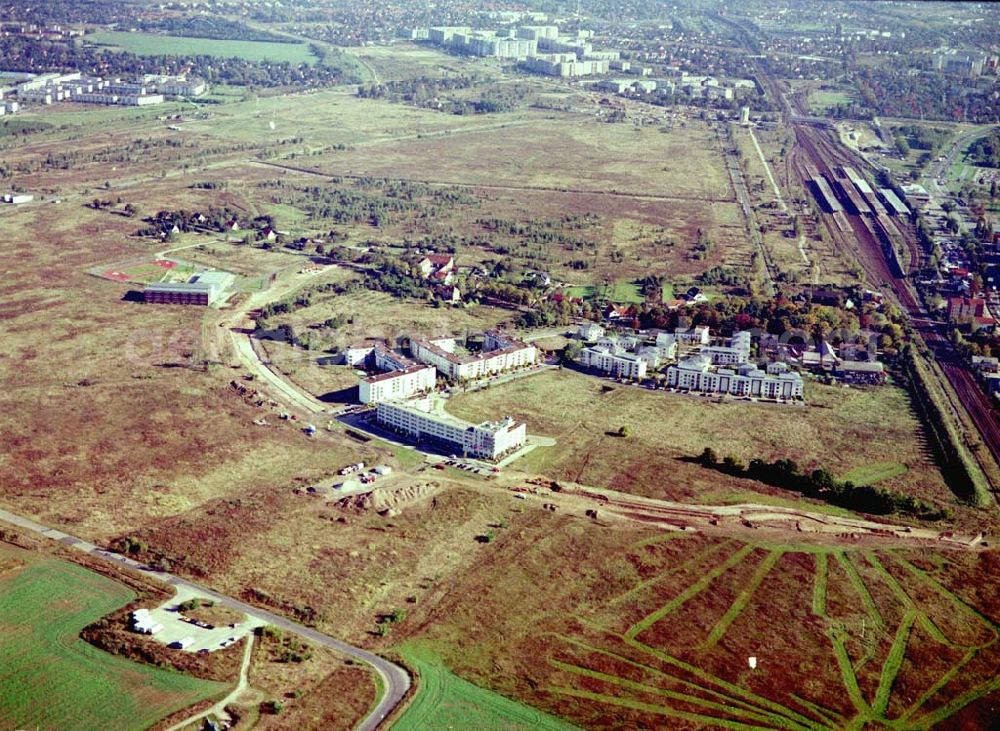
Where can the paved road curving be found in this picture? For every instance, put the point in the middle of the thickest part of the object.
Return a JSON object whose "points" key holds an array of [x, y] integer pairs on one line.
{"points": [[395, 680]]}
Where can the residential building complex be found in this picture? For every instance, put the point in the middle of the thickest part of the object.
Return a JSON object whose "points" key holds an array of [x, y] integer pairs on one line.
{"points": [[960, 63], [75, 87], [698, 335], [400, 378], [698, 374], [736, 353], [540, 48], [614, 360], [418, 420], [397, 384], [500, 353]]}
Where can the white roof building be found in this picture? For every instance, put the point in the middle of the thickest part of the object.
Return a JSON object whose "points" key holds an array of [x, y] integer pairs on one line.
{"points": [[418, 420]]}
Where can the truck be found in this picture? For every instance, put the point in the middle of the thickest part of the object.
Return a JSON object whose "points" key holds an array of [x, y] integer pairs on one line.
{"points": [[352, 468]]}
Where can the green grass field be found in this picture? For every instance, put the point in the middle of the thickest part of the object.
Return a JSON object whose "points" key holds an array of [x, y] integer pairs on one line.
{"points": [[51, 679], [840, 430], [872, 473], [152, 44], [622, 292], [445, 701], [821, 100]]}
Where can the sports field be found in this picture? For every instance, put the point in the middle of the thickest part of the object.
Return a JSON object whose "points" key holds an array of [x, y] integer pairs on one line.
{"points": [[152, 44], [50, 678], [445, 701], [821, 100], [153, 270]]}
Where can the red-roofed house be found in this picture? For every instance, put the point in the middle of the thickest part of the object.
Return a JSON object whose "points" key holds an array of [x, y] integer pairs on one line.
{"points": [[963, 308], [619, 312], [439, 267]]}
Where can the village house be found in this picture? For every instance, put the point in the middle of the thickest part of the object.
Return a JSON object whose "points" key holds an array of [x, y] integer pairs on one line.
{"points": [[439, 268]]}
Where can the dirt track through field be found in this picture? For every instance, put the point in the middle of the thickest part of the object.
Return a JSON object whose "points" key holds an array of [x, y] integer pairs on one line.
{"points": [[748, 521]]}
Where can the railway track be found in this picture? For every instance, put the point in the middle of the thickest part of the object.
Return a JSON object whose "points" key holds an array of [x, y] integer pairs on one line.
{"points": [[823, 155], [816, 153]]}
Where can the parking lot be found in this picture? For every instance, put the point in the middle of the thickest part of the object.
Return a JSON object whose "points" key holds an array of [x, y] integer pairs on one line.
{"points": [[175, 628]]}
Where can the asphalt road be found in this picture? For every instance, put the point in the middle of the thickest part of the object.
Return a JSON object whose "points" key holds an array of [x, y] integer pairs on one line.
{"points": [[395, 680]]}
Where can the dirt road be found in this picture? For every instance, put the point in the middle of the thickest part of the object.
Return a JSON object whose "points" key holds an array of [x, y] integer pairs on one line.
{"points": [[219, 709]]}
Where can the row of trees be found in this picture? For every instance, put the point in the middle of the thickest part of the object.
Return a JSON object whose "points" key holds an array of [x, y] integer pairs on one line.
{"points": [[822, 485], [389, 202], [203, 26], [211, 219], [33, 55]]}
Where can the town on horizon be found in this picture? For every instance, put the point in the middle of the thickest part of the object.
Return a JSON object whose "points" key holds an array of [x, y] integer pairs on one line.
{"points": [[559, 364]]}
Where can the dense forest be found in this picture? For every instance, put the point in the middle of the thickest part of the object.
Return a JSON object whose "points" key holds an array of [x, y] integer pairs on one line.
{"points": [[986, 150]]}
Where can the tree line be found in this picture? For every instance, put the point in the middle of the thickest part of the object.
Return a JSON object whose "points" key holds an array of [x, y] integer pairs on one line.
{"points": [[822, 485], [36, 56]]}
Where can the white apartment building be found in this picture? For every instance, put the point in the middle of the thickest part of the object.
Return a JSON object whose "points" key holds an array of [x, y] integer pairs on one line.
{"points": [[736, 353], [500, 353], [565, 65], [615, 361], [418, 421], [488, 44], [697, 374], [667, 345], [181, 86], [590, 332], [652, 355], [397, 384], [537, 32], [692, 336]]}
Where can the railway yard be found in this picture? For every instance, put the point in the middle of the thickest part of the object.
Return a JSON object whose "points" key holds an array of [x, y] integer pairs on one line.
{"points": [[377, 379]]}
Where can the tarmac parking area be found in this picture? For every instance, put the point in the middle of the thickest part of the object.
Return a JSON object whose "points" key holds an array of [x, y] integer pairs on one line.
{"points": [[176, 629]]}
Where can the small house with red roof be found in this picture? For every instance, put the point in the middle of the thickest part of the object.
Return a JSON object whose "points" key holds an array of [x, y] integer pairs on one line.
{"points": [[439, 268]]}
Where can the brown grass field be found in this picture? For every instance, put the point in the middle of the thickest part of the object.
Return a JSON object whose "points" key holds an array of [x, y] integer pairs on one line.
{"points": [[654, 630], [562, 154], [321, 691], [840, 430]]}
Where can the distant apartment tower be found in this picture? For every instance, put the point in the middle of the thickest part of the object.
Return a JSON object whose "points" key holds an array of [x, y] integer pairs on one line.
{"points": [[564, 65], [442, 35], [960, 63], [538, 32]]}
